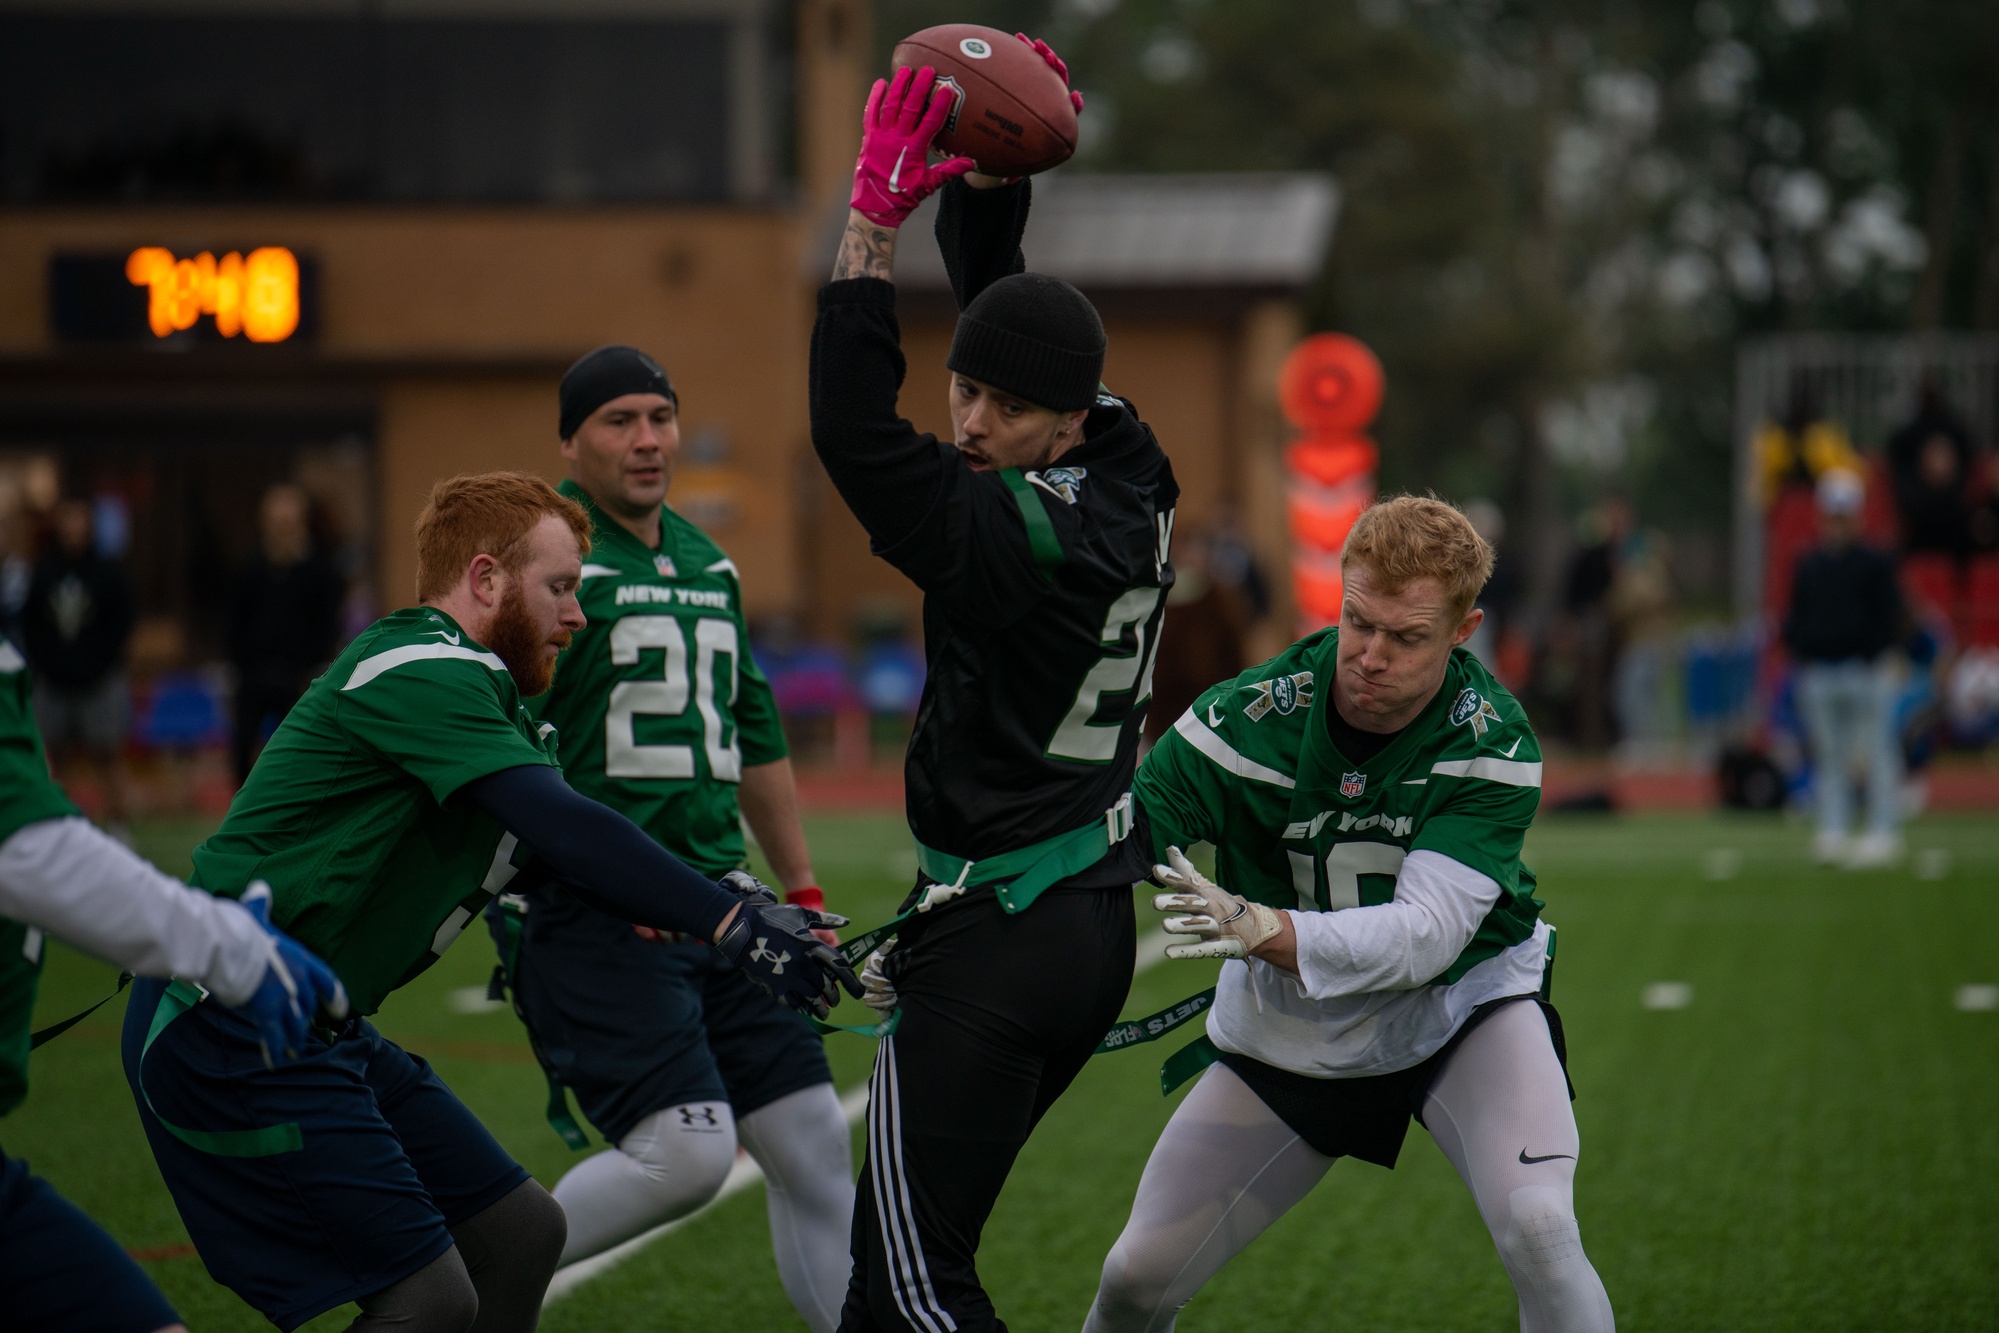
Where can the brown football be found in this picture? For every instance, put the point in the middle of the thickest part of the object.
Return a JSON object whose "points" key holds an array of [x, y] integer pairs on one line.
{"points": [[1013, 115]]}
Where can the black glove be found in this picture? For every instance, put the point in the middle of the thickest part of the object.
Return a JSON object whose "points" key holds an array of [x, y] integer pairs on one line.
{"points": [[773, 944]]}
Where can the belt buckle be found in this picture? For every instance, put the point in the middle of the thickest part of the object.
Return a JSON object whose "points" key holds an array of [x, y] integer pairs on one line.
{"points": [[1118, 820]]}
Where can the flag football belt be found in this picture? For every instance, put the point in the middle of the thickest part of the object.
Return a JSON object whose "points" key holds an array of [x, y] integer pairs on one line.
{"points": [[178, 998], [512, 912], [1021, 877]]}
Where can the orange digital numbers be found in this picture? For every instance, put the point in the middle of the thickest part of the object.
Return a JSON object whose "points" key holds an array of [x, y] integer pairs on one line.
{"points": [[256, 295]]}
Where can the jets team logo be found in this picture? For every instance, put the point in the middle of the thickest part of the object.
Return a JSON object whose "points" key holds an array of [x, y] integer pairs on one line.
{"points": [[957, 95], [1283, 694], [1352, 784], [664, 564], [1064, 483], [975, 47], [1472, 707]]}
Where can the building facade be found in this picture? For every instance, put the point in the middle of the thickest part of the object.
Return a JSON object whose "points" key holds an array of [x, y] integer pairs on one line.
{"points": [[470, 194]]}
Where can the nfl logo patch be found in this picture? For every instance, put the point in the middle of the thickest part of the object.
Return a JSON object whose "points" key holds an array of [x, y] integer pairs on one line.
{"points": [[1352, 784], [664, 564]]}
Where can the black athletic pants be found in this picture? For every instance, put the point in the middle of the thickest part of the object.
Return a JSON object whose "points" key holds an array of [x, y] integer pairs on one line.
{"points": [[999, 1014]]}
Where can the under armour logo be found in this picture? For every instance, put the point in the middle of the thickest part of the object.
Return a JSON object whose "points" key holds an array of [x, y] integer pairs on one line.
{"points": [[764, 954], [698, 1115]]}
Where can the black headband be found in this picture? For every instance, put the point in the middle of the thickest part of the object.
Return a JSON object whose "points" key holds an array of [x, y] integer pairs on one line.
{"points": [[607, 373]]}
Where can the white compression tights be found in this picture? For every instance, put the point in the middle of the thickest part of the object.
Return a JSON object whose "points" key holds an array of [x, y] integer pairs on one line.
{"points": [[674, 1161], [1226, 1167]]}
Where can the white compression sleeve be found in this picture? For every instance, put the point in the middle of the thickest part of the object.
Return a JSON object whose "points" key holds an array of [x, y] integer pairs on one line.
{"points": [[1397, 945], [671, 1163], [1224, 1169], [90, 890], [1500, 1111], [806, 1151]]}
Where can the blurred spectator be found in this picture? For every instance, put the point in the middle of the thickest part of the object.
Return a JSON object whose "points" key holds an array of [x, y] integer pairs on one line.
{"points": [[1586, 597], [75, 625], [1845, 615], [1501, 591], [1642, 627], [17, 573], [284, 621], [1232, 565], [1204, 637], [1931, 460], [1799, 449]]}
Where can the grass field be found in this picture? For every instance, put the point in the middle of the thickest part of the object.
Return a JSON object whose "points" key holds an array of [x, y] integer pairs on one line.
{"points": [[1810, 1142]]}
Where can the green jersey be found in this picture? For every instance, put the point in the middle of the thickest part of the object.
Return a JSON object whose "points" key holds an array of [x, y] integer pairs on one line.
{"points": [[657, 703], [348, 812], [27, 796], [1253, 768]]}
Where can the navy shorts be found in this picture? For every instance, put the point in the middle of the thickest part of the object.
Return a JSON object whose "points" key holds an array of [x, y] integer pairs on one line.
{"points": [[61, 1271], [633, 1026], [319, 1182]]}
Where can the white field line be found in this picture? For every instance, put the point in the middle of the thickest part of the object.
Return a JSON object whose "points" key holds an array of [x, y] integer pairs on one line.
{"points": [[746, 1172]]}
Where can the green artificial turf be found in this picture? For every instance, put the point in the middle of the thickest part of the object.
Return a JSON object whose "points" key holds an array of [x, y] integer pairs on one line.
{"points": [[1809, 1144]]}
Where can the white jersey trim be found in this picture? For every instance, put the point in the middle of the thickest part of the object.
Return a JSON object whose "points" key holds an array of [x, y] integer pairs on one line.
{"points": [[370, 667], [599, 571], [11, 660], [1208, 743], [724, 566], [1512, 772]]}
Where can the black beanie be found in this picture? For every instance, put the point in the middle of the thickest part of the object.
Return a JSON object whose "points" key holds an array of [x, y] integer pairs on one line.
{"points": [[1035, 337], [607, 373]]}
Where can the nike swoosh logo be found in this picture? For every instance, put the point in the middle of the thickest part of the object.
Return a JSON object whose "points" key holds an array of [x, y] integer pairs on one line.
{"points": [[1525, 1160], [1213, 721], [445, 635], [895, 173], [1511, 748]]}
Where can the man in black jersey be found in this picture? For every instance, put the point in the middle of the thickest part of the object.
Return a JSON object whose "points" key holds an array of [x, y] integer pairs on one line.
{"points": [[1039, 536]]}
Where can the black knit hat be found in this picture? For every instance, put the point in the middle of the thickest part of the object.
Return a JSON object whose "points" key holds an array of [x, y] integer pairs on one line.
{"points": [[1035, 337], [607, 373]]}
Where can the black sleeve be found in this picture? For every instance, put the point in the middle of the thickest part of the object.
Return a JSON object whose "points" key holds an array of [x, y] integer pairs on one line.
{"points": [[608, 860], [886, 470], [979, 233]]}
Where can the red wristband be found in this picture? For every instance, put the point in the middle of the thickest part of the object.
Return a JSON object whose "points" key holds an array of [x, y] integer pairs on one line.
{"points": [[811, 896]]}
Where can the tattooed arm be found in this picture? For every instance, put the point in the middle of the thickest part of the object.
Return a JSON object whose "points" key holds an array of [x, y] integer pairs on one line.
{"points": [[867, 249]]}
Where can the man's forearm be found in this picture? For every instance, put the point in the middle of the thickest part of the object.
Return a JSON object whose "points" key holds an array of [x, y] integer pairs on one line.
{"points": [[867, 250], [601, 854], [1397, 945], [78, 884], [769, 797]]}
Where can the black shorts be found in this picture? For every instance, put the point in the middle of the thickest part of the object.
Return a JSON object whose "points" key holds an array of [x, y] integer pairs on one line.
{"points": [[1368, 1117], [316, 1183], [633, 1026], [61, 1272]]}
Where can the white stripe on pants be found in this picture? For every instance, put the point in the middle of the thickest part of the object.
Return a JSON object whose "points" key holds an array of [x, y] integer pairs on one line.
{"points": [[909, 1276]]}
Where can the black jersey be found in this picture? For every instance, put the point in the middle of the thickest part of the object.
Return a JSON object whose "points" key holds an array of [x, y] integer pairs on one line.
{"points": [[1043, 590]]}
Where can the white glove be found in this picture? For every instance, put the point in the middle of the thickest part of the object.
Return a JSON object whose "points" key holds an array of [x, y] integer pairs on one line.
{"points": [[877, 991], [1224, 925]]}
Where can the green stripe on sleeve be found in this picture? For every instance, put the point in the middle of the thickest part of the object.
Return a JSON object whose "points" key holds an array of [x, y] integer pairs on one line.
{"points": [[1041, 537]]}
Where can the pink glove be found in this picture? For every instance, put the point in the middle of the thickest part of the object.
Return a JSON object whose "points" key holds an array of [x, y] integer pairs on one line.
{"points": [[892, 175], [1056, 63]]}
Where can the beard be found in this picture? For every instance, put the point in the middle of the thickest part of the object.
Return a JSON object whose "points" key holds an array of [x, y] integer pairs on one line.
{"points": [[517, 641]]}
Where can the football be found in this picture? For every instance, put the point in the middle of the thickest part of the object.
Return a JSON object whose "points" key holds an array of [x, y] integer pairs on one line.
{"points": [[1013, 115]]}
